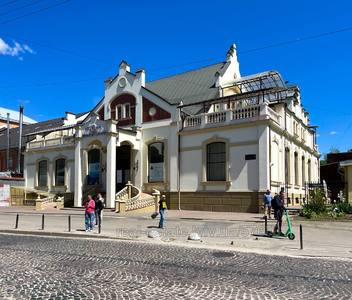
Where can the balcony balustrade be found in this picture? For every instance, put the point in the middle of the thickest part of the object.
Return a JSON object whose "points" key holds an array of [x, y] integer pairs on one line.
{"points": [[48, 143], [222, 118]]}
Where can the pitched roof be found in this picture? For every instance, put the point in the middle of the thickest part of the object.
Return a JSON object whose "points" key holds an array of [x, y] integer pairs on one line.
{"points": [[192, 86], [14, 132]]}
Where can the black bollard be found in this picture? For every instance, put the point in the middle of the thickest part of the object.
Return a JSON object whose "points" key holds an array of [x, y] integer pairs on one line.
{"points": [[43, 222], [266, 224], [301, 236], [16, 224], [99, 227], [69, 223]]}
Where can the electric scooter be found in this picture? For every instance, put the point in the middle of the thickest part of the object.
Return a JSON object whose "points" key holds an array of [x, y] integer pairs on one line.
{"points": [[288, 233]]}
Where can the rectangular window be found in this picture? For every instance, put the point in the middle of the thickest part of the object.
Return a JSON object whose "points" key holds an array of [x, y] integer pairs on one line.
{"points": [[60, 172], [216, 162], [42, 173], [156, 162]]}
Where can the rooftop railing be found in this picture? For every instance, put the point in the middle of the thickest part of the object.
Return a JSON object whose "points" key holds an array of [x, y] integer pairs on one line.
{"points": [[47, 143]]}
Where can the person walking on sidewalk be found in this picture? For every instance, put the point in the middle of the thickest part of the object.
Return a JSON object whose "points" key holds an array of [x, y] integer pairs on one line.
{"points": [[267, 203], [278, 206], [162, 208], [99, 206], [89, 213]]}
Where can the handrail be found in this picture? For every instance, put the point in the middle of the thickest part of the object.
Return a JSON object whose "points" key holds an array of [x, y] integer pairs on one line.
{"points": [[122, 193], [135, 201]]}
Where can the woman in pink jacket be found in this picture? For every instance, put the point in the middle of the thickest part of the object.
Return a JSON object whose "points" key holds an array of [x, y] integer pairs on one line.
{"points": [[89, 213]]}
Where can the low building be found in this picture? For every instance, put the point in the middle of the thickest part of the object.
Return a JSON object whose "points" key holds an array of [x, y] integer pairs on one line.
{"points": [[14, 117], [335, 172], [208, 138], [27, 129]]}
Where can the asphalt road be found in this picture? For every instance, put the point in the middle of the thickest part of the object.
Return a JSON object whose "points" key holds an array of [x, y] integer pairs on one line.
{"points": [[61, 268]]}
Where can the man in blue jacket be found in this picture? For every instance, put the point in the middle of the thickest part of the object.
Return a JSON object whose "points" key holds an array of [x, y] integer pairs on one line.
{"points": [[267, 203]]}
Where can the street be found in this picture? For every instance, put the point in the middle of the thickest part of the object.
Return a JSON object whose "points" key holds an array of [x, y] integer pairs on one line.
{"points": [[64, 268]]}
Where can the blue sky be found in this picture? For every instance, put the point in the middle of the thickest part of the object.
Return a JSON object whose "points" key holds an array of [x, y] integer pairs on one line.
{"points": [[64, 53]]}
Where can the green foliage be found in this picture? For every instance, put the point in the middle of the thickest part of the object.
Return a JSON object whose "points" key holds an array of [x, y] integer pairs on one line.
{"points": [[344, 207], [315, 206]]}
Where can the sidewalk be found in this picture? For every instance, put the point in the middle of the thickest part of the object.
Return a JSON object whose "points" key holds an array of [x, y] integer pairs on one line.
{"points": [[227, 231]]}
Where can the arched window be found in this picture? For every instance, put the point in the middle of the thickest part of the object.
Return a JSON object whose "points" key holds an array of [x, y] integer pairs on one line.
{"points": [[287, 166], [60, 172], [303, 171], [309, 171], [93, 166], [216, 161], [296, 169], [156, 162], [43, 173]]}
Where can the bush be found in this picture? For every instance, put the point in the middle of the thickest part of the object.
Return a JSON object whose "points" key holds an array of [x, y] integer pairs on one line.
{"points": [[315, 206], [344, 207]]}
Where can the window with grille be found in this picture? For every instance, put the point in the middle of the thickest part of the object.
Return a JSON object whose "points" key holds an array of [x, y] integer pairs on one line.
{"points": [[216, 161]]}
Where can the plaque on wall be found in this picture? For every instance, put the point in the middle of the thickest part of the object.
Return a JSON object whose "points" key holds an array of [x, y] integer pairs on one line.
{"points": [[250, 156]]}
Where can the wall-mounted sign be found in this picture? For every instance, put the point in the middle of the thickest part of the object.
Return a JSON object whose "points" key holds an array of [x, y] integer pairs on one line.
{"points": [[250, 156]]}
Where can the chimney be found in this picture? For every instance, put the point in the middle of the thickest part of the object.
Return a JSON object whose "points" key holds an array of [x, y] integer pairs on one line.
{"points": [[232, 53], [124, 67], [140, 74]]}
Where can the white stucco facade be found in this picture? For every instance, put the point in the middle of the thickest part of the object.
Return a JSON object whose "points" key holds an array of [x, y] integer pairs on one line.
{"points": [[134, 134]]}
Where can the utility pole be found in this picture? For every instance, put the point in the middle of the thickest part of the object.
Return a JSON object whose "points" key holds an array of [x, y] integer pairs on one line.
{"points": [[8, 143], [20, 142]]}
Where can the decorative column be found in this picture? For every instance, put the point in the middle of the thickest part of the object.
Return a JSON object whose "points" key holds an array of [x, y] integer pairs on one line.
{"points": [[111, 165], [78, 169]]}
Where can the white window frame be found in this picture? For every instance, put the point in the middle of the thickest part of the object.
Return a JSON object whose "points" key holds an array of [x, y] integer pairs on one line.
{"points": [[125, 111]]}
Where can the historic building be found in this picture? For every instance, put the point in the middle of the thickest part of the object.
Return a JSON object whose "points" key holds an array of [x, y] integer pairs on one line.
{"points": [[209, 138]]}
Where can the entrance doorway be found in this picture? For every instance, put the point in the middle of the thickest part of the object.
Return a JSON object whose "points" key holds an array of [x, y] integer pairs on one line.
{"points": [[93, 167], [123, 166]]}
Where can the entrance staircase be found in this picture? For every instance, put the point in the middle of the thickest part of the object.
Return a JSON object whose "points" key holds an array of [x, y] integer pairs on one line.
{"points": [[132, 199]]}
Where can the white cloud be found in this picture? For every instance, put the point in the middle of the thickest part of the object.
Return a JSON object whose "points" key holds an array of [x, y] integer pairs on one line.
{"points": [[333, 132], [16, 50]]}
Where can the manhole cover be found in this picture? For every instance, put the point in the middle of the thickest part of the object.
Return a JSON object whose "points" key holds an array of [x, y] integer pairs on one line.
{"points": [[222, 254]]}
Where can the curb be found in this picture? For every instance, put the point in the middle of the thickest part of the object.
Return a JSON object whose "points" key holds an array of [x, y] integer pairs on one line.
{"points": [[62, 234]]}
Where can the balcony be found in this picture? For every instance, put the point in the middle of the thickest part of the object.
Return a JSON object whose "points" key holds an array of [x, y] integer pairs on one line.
{"points": [[51, 143], [232, 116]]}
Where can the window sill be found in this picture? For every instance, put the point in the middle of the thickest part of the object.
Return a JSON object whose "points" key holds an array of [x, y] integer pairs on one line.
{"points": [[212, 183]]}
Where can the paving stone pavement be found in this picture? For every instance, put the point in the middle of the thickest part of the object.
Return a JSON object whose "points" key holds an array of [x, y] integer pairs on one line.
{"points": [[65, 268]]}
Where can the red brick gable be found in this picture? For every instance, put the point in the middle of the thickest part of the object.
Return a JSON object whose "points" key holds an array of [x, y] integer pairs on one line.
{"points": [[160, 114], [124, 99]]}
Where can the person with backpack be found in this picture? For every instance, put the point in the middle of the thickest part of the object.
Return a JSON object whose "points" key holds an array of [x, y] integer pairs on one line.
{"points": [[278, 205], [162, 208], [99, 206]]}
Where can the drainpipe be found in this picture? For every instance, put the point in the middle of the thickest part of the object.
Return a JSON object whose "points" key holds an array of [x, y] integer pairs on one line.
{"points": [[8, 142], [180, 127], [20, 142]]}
